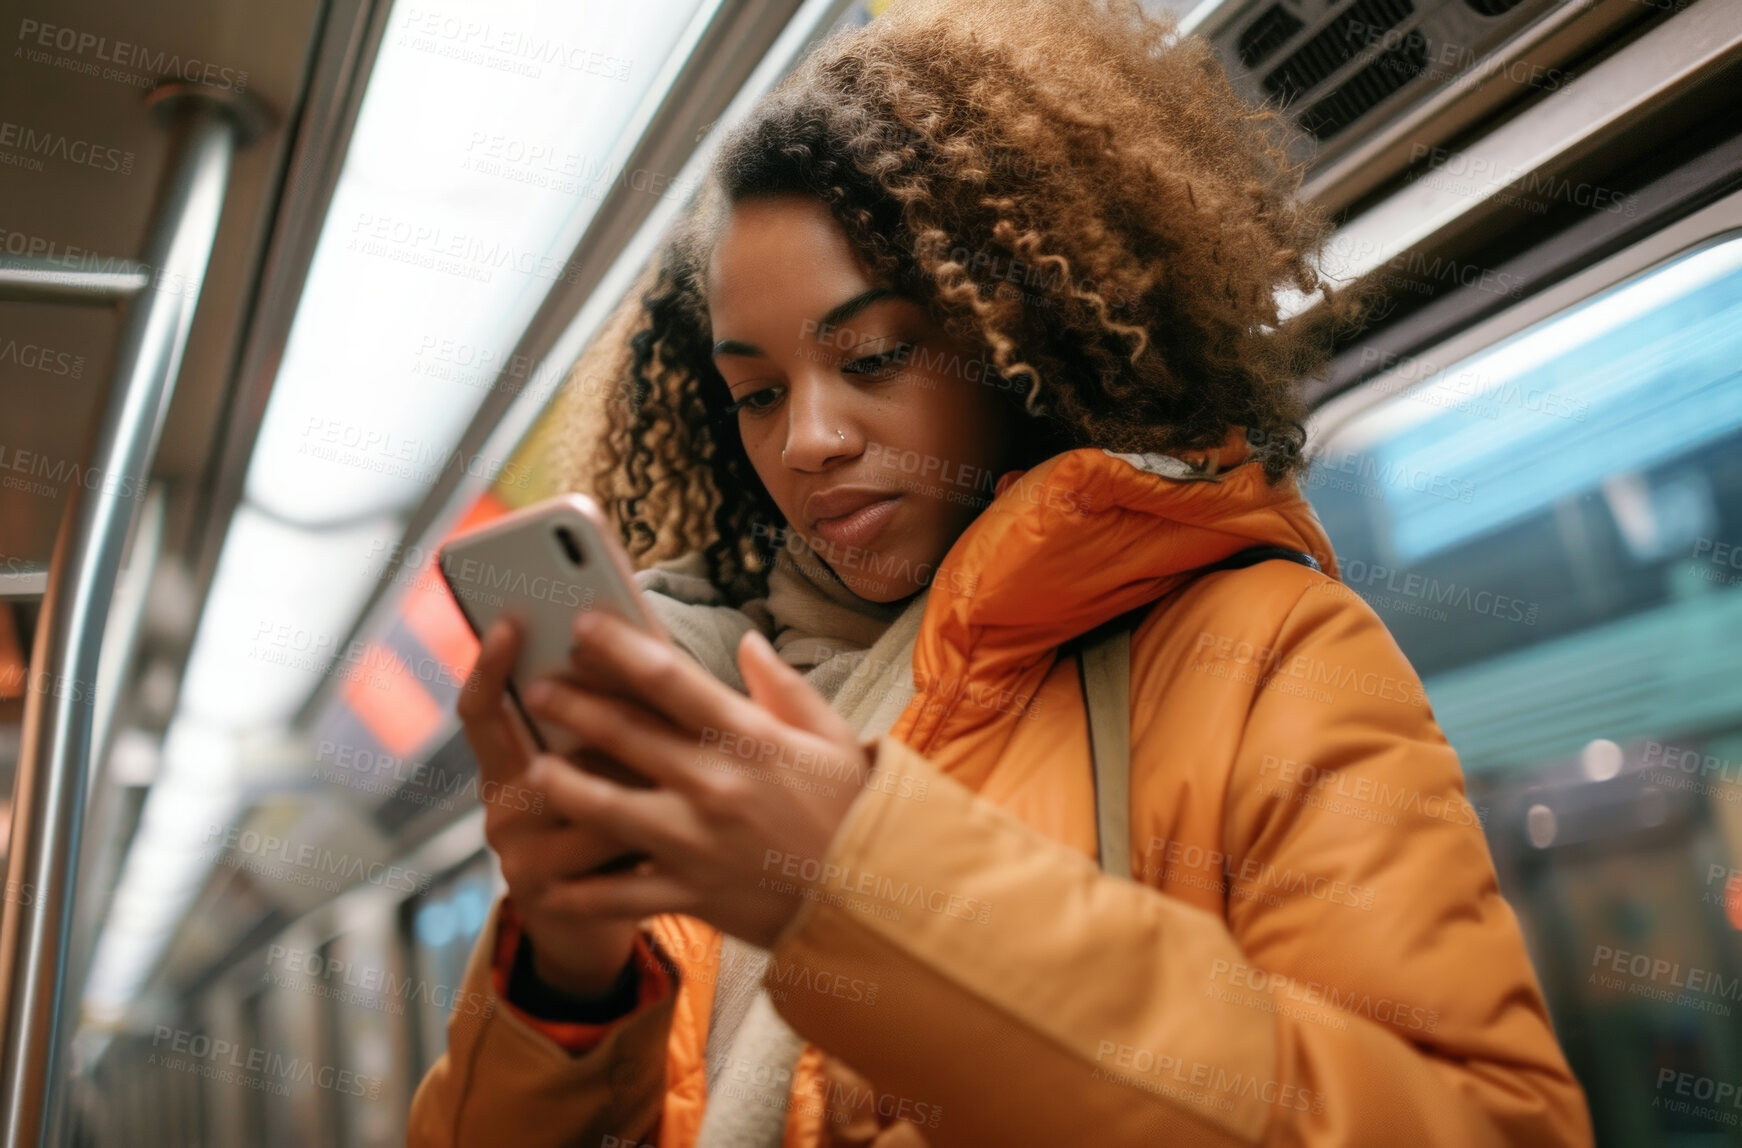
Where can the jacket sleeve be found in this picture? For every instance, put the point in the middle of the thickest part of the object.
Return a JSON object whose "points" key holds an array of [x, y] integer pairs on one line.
{"points": [[504, 1079], [1367, 986]]}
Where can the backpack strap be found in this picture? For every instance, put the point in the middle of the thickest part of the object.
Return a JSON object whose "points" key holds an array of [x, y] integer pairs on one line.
{"points": [[1104, 668]]}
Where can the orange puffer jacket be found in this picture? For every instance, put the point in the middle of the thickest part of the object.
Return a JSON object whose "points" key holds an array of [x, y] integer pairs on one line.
{"points": [[1312, 948]]}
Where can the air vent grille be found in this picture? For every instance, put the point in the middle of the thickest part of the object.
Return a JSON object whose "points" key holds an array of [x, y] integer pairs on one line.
{"points": [[1361, 92], [1493, 7], [1361, 24], [1266, 34]]}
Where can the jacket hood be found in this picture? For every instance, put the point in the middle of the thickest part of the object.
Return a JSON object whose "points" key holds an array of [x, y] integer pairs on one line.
{"points": [[1077, 541]]}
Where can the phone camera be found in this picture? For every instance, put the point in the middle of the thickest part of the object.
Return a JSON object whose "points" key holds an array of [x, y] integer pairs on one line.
{"points": [[570, 547]]}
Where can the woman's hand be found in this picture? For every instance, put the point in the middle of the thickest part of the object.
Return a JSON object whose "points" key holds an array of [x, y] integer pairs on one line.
{"points": [[545, 858], [745, 786]]}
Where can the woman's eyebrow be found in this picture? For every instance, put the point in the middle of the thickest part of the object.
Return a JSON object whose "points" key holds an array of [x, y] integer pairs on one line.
{"points": [[837, 314]]}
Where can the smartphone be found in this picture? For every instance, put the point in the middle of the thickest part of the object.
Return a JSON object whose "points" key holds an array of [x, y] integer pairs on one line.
{"points": [[542, 565]]}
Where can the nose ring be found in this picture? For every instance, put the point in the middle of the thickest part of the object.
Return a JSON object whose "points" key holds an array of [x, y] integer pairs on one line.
{"points": [[840, 434]]}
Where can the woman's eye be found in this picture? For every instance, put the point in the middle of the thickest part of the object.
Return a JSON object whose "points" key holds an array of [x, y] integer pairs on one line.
{"points": [[882, 365], [755, 402]]}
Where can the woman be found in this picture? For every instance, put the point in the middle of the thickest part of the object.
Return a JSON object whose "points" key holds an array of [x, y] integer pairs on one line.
{"points": [[970, 347]]}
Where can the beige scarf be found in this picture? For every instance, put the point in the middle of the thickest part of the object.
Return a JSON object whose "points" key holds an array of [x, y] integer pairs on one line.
{"points": [[858, 655]]}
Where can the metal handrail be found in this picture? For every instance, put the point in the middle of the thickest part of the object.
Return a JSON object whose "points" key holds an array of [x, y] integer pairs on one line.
{"points": [[50, 791], [25, 280]]}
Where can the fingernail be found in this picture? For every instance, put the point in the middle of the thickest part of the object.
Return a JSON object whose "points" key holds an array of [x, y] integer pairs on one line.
{"points": [[539, 693]]}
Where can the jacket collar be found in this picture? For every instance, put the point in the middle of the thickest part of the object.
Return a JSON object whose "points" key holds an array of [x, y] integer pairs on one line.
{"points": [[1083, 538]]}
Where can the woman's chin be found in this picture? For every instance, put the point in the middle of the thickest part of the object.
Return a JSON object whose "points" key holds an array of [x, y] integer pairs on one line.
{"points": [[872, 589], [862, 580]]}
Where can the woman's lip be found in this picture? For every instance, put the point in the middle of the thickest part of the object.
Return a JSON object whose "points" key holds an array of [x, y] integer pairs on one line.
{"points": [[860, 527]]}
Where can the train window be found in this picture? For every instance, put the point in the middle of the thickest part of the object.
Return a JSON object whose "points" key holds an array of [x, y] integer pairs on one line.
{"points": [[487, 138], [364, 1009], [1552, 529], [1584, 471], [442, 926], [253, 1101]]}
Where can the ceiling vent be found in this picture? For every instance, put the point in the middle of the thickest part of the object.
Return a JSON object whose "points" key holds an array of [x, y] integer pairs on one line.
{"points": [[1362, 23], [1341, 68], [1266, 34], [1368, 88]]}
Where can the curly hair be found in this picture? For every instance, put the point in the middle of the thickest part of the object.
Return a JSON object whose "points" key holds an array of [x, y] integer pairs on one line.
{"points": [[1071, 185]]}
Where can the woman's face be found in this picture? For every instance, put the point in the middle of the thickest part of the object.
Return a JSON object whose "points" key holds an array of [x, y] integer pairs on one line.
{"points": [[878, 436]]}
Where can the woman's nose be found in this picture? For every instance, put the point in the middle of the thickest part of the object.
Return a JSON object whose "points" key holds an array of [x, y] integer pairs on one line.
{"points": [[819, 432]]}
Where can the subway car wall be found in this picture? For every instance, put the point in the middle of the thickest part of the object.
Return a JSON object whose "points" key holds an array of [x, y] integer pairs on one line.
{"points": [[948, 345]]}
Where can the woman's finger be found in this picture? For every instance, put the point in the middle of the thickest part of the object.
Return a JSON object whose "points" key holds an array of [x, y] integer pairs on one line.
{"points": [[624, 732], [654, 821], [657, 674], [629, 896], [573, 851], [492, 728], [783, 692]]}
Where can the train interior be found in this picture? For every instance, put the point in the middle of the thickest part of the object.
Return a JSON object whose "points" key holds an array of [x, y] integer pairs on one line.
{"points": [[297, 290]]}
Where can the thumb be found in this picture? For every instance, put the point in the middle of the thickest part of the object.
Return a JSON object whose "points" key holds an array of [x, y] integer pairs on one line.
{"points": [[783, 692]]}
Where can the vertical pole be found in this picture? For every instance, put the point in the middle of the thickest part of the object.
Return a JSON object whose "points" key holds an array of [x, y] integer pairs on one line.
{"points": [[53, 768]]}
